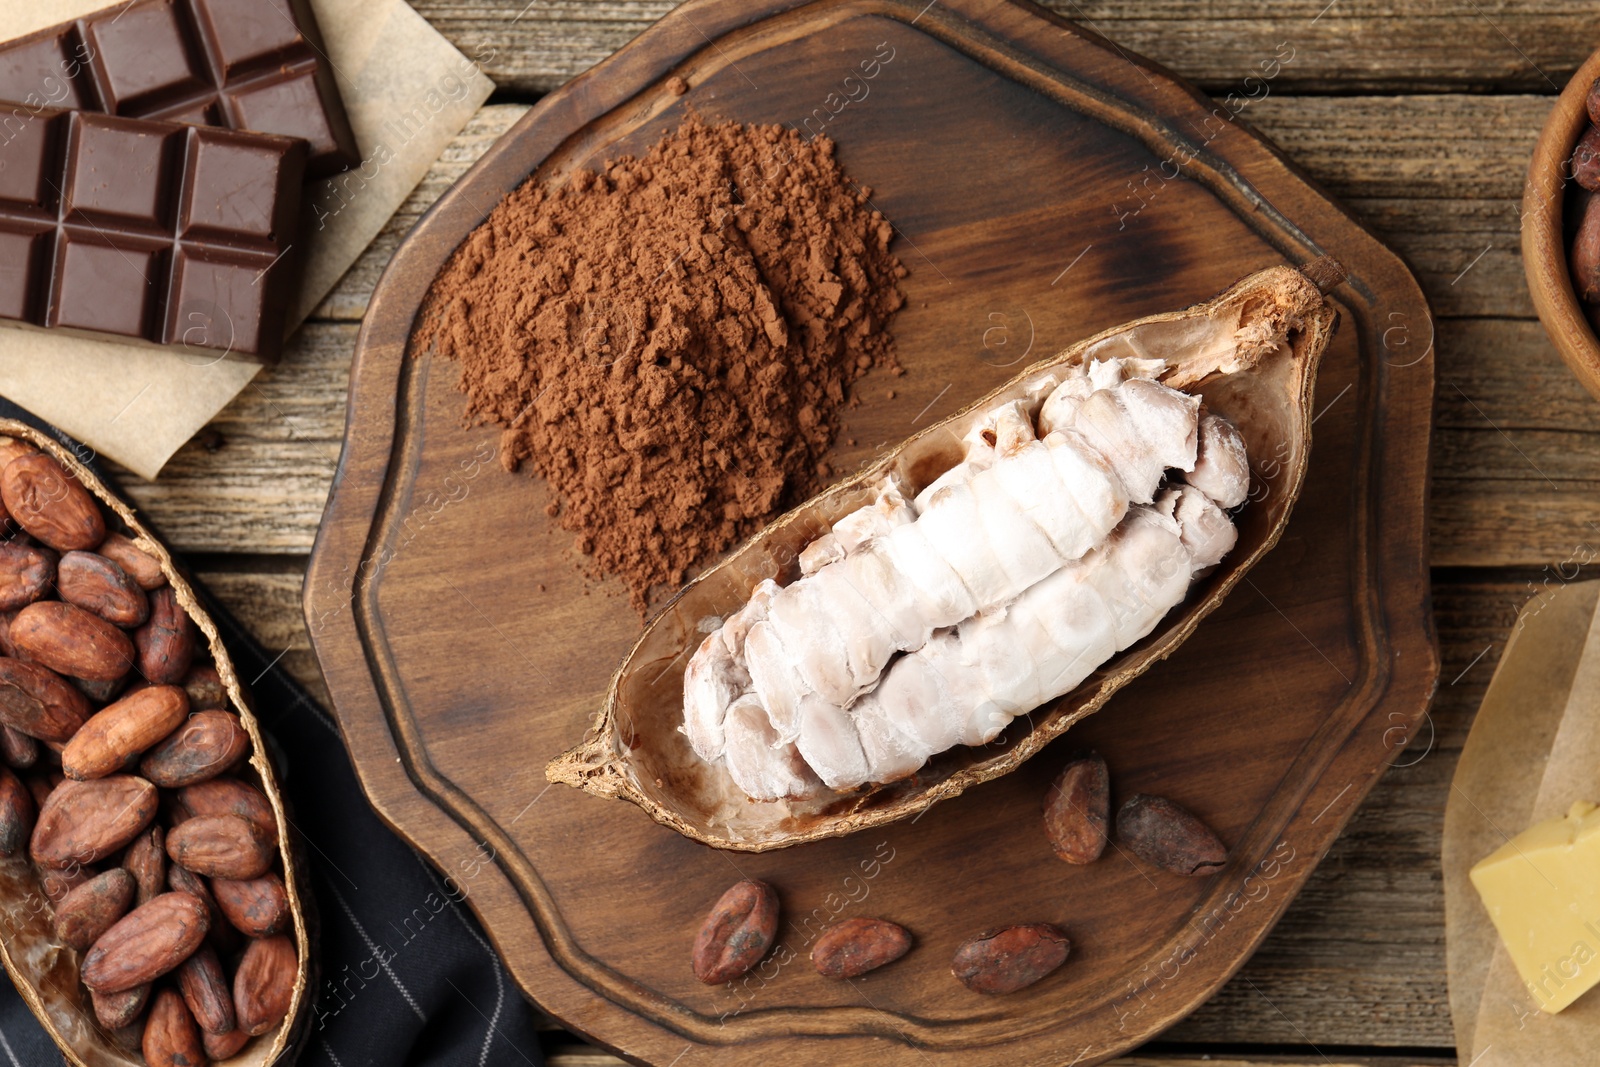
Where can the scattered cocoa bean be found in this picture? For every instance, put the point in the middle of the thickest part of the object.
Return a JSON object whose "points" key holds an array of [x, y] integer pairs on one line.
{"points": [[203, 747], [80, 822], [17, 813], [224, 1046], [171, 1038], [220, 846], [26, 572], [205, 990], [1169, 836], [51, 504], [116, 1010], [856, 946], [205, 688], [1004, 961], [69, 640], [229, 796], [1077, 810], [264, 984], [167, 642], [39, 702], [141, 566], [737, 934], [146, 943], [18, 749], [99, 586], [87, 912], [146, 860], [258, 907], [113, 737]]}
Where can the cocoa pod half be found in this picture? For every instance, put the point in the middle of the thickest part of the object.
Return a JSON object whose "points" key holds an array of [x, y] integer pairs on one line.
{"points": [[207, 744], [115, 735], [81, 822], [856, 946], [116, 1010], [99, 586], [140, 565], [264, 984], [17, 813], [1169, 836], [737, 934], [220, 846], [72, 641], [258, 907], [205, 990], [146, 943], [39, 702], [167, 642], [1004, 961], [146, 860], [229, 796], [171, 1038], [26, 573], [50, 504], [86, 913], [1077, 810]]}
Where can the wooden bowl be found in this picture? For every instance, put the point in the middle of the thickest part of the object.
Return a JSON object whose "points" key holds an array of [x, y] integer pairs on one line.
{"points": [[1544, 240]]}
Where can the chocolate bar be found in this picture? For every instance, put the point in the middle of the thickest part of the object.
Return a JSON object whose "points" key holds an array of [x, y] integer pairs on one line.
{"points": [[242, 64], [177, 235]]}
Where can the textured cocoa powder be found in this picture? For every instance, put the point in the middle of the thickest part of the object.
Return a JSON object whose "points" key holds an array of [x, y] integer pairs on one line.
{"points": [[669, 342]]}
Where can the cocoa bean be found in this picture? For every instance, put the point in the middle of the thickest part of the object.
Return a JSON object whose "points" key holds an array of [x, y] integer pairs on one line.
{"points": [[7, 646], [737, 934], [69, 640], [18, 749], [17, 813], [205, 688], [39, 786], [258, 907], [171, 1038], [117, 1010], [207, 744], [80, 822], [1584, 257], [1013, 958], [51, 504], [39, 702], [57, 884], [224, 1046], [856, 946], [146, 860], [1077, 810], [1586, 160], [113, 737], [205, 990], [264, 984], [229, 796], [87, 912], [11, 448], [146, 943], [100, 692], [1169, 836], [220, 846], [26, 573], [167, 642], [99, 586], [140, 565]]}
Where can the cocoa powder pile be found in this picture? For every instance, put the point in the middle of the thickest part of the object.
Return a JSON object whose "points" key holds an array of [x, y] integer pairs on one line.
{"points": [[669, 342]]}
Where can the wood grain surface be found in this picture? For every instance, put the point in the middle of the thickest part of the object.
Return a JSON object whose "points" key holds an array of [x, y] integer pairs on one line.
{"points": [[1358, 960]]}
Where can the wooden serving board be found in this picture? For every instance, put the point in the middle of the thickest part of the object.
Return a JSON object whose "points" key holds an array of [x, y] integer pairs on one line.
{"points": [[1045, 185]]}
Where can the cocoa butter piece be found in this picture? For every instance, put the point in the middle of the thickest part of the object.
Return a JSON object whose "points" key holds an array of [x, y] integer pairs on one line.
{"points": [[99, 586], [146, 943], [87, 912], [737, 934], [1169, 836], [1009, 959], [1077, 810], [51, 504], [852, 948]]}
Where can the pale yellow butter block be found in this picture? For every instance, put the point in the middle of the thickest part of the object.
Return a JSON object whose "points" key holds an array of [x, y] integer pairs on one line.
{"points": [[1542, 890]]}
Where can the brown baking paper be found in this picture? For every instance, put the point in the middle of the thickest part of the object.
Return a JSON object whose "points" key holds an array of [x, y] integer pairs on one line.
{"points": [[1533, 750], [408, 92]]}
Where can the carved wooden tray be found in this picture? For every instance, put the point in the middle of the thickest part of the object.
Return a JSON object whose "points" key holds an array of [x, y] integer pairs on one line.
{"points": [[1046, 185]]}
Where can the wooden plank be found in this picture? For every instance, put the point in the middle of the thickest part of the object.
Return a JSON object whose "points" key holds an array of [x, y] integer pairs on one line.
{"points": [[531, 46]]}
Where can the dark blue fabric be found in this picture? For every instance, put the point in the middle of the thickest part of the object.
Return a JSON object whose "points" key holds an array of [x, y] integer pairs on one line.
{"points": [[408, 977]]}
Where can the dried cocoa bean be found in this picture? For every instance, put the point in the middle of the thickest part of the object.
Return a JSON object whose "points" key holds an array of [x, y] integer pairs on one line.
{"points": [[258, 907], [167, 642], [230, 796], [146, 860], [1584, 257], [1077, 810], [207, 744], [264, 984], [1586, 160], [18, 749], [141, 566], [26, 573], [856, 946], [115, 735], [205, 688], [220, 846], [57, 884], [17, 813], [100, 692], [51, 504], [737, 934], [39, 702], [11, 448], [205, 990], [1004, 961], [224, 1046], [171, 1038], [99, 586], [1169, 836], [69, 640], [117, 1010], [146, 943], [82, 821], [86, 913]]}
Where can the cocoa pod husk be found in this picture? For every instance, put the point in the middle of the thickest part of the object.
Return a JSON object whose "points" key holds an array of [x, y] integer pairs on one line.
{"points": [[140, 565], [257, 907], [72, 641], [117, 1010], [86, 913], [1077, 810], [171, 1038], [204, 746], [101, 587], [205, 688], [166, 643], [1169, 836], [224, 1046], [38, 702], [18, 749], [26, 574], [263, 986], [1006, 960], [220, 846], [1584, 256], [205, 990], [146, 860], [17, 813], [856, 946], [229, 796], [51, 504], [114, 737], [146, 943], [81, 822], [737, 934]]}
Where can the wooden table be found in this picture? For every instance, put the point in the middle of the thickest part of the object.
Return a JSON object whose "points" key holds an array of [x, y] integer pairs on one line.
{"points": [[1421, 116]]}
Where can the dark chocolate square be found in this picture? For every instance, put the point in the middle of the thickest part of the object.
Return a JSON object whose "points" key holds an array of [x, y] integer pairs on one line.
{"points": [[250, 32], [143, 53], [117, 170], [103, 287], [220, 305], [30, 160], [21, 254], [290, 106], [205, 112], [44, 71], [236, 189]]}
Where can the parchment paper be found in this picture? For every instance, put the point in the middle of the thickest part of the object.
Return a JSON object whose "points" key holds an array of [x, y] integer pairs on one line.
{"points": [[408, 92], [1534, 748]]}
